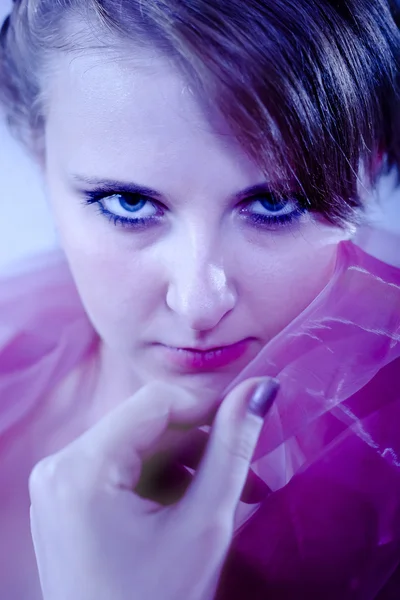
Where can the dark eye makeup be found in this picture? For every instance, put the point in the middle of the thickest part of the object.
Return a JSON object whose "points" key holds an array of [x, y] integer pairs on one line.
{"points": [[136, 211]]}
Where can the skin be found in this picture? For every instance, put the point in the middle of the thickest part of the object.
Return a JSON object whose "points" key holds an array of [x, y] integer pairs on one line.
{"points": [[111, 542], [203, 276]]}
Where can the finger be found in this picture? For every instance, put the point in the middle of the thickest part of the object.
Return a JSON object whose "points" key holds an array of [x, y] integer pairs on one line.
{"points": [[220, 479], [117, 444], [191, 454], [164, 478]]}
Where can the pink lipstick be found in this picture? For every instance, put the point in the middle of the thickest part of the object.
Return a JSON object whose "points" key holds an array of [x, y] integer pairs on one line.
{"points": [[193, 359]]}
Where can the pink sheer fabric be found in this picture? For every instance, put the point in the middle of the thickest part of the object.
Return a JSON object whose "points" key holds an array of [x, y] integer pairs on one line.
{"points": [[329, 451], [44, 334]]}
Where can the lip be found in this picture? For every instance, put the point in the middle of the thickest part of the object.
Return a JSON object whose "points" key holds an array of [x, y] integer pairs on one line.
{"points": [[208, 359]]}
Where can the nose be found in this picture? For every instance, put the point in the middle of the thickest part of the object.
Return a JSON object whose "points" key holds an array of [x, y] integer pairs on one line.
{"points": [[199, 292]]}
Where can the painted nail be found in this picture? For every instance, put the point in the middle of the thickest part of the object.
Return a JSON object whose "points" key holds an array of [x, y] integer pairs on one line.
{"points": [[263, 397]]}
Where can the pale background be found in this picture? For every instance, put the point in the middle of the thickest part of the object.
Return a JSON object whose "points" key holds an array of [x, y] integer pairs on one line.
{"points": [[25, 223]]}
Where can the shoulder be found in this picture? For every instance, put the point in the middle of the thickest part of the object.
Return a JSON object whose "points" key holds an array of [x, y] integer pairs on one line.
{"points": [[44, 332]]}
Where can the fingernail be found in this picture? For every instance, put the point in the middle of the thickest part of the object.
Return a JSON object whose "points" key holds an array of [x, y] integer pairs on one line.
{"points": [[263, 397]]}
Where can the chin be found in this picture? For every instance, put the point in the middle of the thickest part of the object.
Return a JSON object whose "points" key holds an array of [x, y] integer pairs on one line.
{"points": [[208, 387]]}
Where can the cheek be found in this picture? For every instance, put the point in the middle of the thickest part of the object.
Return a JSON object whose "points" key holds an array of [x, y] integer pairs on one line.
{"points": [[294, 273], [118, 294], [117, 285]]}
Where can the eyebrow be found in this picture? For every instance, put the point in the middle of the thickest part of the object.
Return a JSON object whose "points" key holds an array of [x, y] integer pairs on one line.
{"points": [[114, 185]]}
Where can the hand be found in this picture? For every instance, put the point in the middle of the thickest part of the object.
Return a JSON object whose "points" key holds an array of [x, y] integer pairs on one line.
{"points": [[96, 538]]}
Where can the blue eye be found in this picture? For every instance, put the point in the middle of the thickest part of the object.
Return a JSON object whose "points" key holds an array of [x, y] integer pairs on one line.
{"points": [[131, 204], [271, 210], [126, 209], [121, 204], [134, 210]]}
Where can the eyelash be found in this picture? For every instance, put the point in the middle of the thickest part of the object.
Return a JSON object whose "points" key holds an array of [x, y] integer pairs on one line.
{"points": [[258, 220]]}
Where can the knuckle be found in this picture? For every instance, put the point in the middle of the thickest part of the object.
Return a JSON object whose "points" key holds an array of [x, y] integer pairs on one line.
{"points": [[239, 447], [239, 439], [42, 474], [52, 480], [244, 448]]}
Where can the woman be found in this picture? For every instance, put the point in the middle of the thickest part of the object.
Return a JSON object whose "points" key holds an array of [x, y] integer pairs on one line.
{"points": [[201, 161]]}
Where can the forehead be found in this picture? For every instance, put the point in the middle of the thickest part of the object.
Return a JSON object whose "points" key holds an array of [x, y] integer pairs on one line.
{"points": [[113, 115]]}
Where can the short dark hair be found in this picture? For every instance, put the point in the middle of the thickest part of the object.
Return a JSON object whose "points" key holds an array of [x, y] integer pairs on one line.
{"points": [[310, 85], [393, 133]]}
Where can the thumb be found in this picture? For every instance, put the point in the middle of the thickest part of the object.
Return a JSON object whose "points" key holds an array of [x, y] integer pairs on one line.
{"points": [[219, 482]]}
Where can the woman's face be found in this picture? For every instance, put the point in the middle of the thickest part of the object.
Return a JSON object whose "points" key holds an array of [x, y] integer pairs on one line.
{"points": [[171, 232]]}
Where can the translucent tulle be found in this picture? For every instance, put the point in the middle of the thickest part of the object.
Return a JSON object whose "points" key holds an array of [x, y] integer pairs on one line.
{"points": [[44, 334], [329, 451]]}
